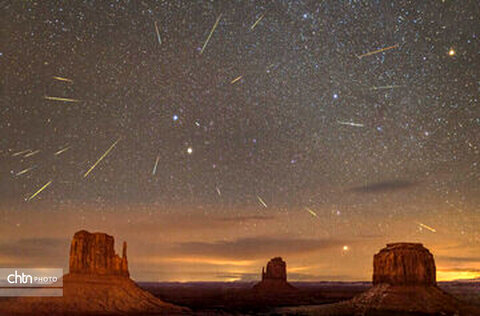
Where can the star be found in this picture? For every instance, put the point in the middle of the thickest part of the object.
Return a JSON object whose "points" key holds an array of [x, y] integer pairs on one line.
{"points": [[451, 52], [189, 150]]}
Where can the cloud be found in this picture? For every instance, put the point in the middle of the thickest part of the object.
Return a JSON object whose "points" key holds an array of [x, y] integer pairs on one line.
{"points": [[258, 247], [384, 186], [472, 270], [245, 218], [33, 251], [458, 259]]}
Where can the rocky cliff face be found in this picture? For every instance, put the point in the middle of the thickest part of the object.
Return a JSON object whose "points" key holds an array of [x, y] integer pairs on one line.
{"points": [[403, 284], [404, 264], [98, 284], [274, 279], [94, 253], [404, 281], [276, 270]]}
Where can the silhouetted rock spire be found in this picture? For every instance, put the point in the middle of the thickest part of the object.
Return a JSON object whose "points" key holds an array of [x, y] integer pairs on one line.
{"points": [[274, 279], [276, 270]]}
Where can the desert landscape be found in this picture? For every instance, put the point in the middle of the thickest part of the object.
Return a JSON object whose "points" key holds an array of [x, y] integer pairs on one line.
{"points": [[98, 283], [239, 157]]}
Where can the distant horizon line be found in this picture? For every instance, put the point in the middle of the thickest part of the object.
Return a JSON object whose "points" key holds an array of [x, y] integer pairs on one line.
{"points": [[254, 281]]}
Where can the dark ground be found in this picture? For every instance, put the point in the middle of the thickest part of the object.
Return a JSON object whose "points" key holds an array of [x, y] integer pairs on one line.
{"points": [[237, 297], [217, 298]]}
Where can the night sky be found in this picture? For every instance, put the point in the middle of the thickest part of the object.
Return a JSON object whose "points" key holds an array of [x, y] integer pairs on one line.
{"points": [[214, 135]]}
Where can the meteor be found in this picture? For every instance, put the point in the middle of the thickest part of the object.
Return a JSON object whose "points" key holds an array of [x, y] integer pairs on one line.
{"points": [[31, 153], [62, 79], [40, 190], [21, 152], [236, 79], [351, 124], [386, 87], [256, 22], [433, 230], [61, 99], [23, 171], [61, 151], [158, 33], [311, 212], [101, 158], [211, 33], [377, 51], [154, 171], [262, 201]]}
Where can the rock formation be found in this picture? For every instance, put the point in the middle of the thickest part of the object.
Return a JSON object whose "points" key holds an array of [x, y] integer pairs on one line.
{"points": [[403, 284], [276, 270], [404, 264], [94, 253], [98, 284], [274, 279], [404, 280]]}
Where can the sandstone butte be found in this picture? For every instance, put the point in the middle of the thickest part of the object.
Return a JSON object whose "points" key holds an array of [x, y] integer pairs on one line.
{"points": [[404, 264], [274, 279], [404, 283], [98, 283], [94, 254], [404, 280]]}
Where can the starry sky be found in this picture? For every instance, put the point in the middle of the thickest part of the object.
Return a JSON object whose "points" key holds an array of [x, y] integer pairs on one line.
{"points": [[214, 135]]}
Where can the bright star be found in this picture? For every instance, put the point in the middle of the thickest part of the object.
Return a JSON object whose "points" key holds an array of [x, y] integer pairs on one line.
{"points": [[345, 248], [451, 52], [335, 96], [175, 117], [189, 150]]}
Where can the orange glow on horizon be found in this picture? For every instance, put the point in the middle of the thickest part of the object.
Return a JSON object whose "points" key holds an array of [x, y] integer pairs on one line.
{"points": [[297, 269], [212, 261], [446, 275]]}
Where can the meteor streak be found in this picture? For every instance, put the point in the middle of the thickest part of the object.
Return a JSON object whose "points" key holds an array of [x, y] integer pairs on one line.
{"points": [[377, 51], [351, 124], [211, 33], [40, 190], [21, 152], [61, 151], [311, 212], [31, 153], [154, 171], [386, 87], [62, 79], [236, 79], [433, 230], [256, 22], [262, 201], [61, 99], [23, 171], [101, 158], [158, 33]]}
